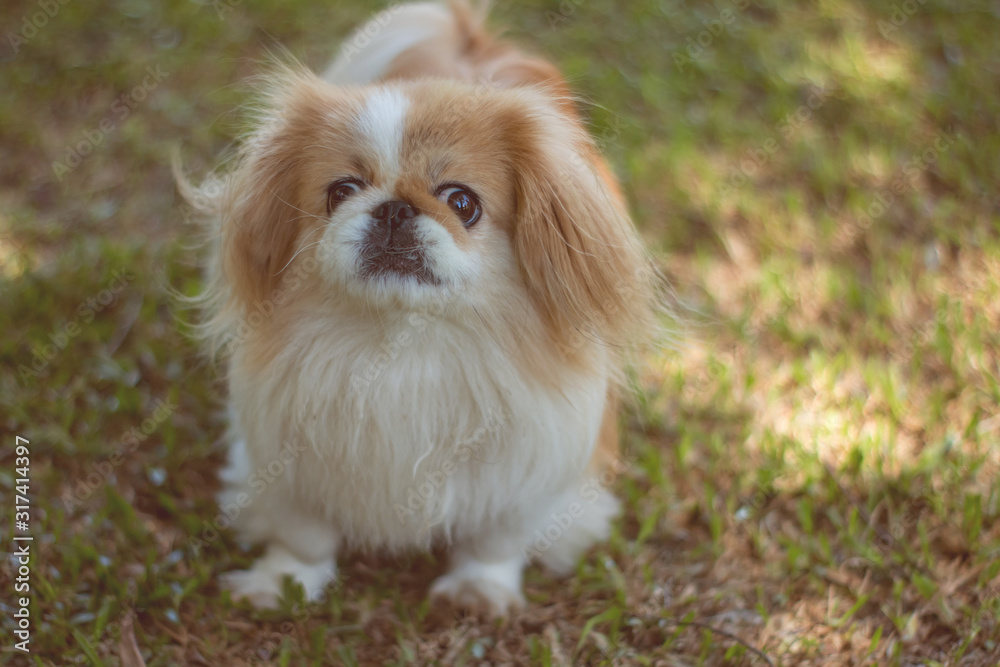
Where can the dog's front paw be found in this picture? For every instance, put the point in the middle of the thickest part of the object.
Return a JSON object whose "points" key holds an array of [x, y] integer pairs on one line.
{"points": [[486, 589], [259, 588], [262, 584]]}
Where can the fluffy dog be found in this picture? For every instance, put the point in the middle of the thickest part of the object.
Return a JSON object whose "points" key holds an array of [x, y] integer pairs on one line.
{"points": [[426, 281]]}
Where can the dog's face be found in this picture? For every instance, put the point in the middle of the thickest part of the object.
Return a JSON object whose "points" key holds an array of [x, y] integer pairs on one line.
{"points": [[419, 199], [417, 193]]}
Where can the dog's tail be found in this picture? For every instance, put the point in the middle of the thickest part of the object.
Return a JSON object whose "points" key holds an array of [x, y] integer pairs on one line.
{"points": [[431, 39]]}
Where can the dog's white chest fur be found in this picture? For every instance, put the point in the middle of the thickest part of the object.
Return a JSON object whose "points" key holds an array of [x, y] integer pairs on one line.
{"points": [[412, 429]]}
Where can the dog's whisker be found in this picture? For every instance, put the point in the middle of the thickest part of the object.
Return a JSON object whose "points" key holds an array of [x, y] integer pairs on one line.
{"points": [[311, 245]]}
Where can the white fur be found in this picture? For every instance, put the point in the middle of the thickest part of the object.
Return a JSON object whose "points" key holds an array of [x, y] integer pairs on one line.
{"points": [[410, 429], [341, 261], [262, 584], [474, 582], [381, 124], [388, 402], [579, 519], [449, 263], [368, 52]]}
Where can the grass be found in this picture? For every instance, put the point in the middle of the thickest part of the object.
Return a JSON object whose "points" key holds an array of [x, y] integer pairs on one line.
{"points": [[813, 467]]}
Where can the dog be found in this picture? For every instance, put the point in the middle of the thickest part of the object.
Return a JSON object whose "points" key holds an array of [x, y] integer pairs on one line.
{"points": [[426, 284]]}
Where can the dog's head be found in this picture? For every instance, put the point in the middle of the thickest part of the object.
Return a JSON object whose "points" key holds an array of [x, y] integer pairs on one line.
{"points": [[408, 194]]}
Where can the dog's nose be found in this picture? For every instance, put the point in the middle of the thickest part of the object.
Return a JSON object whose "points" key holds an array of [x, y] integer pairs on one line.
{"points": [[392, 243], [394, 225], [394, 211]]}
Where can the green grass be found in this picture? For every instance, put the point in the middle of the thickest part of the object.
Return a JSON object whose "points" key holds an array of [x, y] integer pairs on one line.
{"points": [[814, 465]]}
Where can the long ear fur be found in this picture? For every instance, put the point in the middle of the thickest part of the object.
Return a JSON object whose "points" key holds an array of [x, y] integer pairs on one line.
{"points": [[581, 257], [263, 215], [253, 214]]}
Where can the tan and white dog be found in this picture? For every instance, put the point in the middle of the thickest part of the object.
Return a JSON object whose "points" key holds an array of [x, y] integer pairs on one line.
{"points": [[426, 281]]}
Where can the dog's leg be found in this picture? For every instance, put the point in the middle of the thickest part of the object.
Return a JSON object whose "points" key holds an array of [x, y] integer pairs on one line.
{"points": [[262, 583], [298, 545], [486, 570], [578, 520], [484, 575]]}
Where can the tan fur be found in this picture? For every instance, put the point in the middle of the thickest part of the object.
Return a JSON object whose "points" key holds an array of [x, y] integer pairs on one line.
{"points": [[606, 452], [471, 53], [276, 191]]}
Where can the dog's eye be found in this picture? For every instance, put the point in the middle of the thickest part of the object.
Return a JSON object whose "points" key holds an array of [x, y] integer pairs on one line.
{"points": [[341, 190], [462, 201]]}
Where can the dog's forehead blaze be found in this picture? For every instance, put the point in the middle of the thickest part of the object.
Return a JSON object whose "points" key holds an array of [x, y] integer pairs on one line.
{"points": [[381, 122]]}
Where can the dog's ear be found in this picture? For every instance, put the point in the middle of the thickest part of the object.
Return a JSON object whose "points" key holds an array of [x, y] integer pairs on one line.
{"points": [[265, 212], [259, 225], [579, 252]]}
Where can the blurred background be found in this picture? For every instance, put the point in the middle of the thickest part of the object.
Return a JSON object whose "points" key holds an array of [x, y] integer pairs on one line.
{"points": [[813, 462]]}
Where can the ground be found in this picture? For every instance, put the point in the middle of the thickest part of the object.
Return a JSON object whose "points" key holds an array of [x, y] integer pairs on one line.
{"points": [[813, 458]]}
